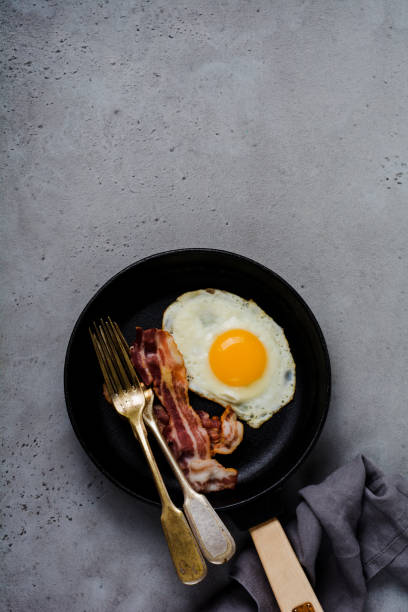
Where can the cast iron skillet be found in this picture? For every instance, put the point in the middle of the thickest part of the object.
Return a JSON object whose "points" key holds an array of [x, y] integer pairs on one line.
{"points": [[138, 295]]}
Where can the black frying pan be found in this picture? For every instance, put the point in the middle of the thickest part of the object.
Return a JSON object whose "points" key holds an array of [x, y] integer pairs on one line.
{"points": [[138, 295], [267, 456]]}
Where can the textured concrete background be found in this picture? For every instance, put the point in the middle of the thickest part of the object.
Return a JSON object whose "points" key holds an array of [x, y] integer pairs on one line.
{"points": [[277, 129]]}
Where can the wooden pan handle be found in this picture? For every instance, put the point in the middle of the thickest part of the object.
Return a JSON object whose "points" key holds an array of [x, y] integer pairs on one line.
{"points": [[289, 583]]}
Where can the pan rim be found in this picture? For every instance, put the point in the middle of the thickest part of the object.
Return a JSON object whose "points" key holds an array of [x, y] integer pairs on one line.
{"points": [[237, 256]]}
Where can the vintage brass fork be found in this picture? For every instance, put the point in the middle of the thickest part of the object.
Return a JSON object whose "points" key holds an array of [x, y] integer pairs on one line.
{"points": [[216, 542], [129, 400]]}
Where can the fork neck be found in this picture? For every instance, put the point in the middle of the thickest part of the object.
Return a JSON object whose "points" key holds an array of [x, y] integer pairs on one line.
{"points": [[139, 430]]}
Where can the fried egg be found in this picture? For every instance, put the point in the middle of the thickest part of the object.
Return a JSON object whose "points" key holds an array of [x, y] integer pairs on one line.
{"points": [[235, 354]]}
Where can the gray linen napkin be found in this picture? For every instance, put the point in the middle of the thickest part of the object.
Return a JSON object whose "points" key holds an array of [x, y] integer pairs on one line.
{"points": [[347, 529]]}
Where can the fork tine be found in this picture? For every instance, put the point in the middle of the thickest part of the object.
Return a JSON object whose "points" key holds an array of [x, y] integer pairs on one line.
{"points": [[115, 355], [109, 366], [124, 350], [112, 352], [109, 359], [102, 363], [127, 351]]}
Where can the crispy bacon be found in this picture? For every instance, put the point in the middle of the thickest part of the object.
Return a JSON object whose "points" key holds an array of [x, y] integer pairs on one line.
{"points": [[159, 363], [225, 432]]}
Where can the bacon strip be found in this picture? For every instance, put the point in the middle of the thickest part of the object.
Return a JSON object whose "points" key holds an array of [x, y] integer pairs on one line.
{"points": [[159, 363], [225, 432]]}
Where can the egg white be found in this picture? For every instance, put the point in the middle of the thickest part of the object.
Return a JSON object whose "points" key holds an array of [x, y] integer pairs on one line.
{"points": [[197, 318]]}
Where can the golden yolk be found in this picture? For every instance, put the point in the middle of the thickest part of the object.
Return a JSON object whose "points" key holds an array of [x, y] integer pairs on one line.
{"points": [[237, 358]]}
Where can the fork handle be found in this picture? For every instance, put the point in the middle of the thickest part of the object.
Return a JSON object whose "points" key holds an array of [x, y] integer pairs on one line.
{"points": [[216, 542], [185, 553]]}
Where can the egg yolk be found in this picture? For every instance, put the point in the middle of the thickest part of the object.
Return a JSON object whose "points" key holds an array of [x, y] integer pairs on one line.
{"points": [[237, 358]]}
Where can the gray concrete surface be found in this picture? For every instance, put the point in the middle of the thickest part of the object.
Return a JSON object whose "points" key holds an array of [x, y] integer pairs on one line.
{"points": [[276, 129]]}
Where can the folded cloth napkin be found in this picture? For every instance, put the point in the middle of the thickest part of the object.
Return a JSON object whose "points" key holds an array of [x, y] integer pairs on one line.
{"points": [[347, 529]]}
